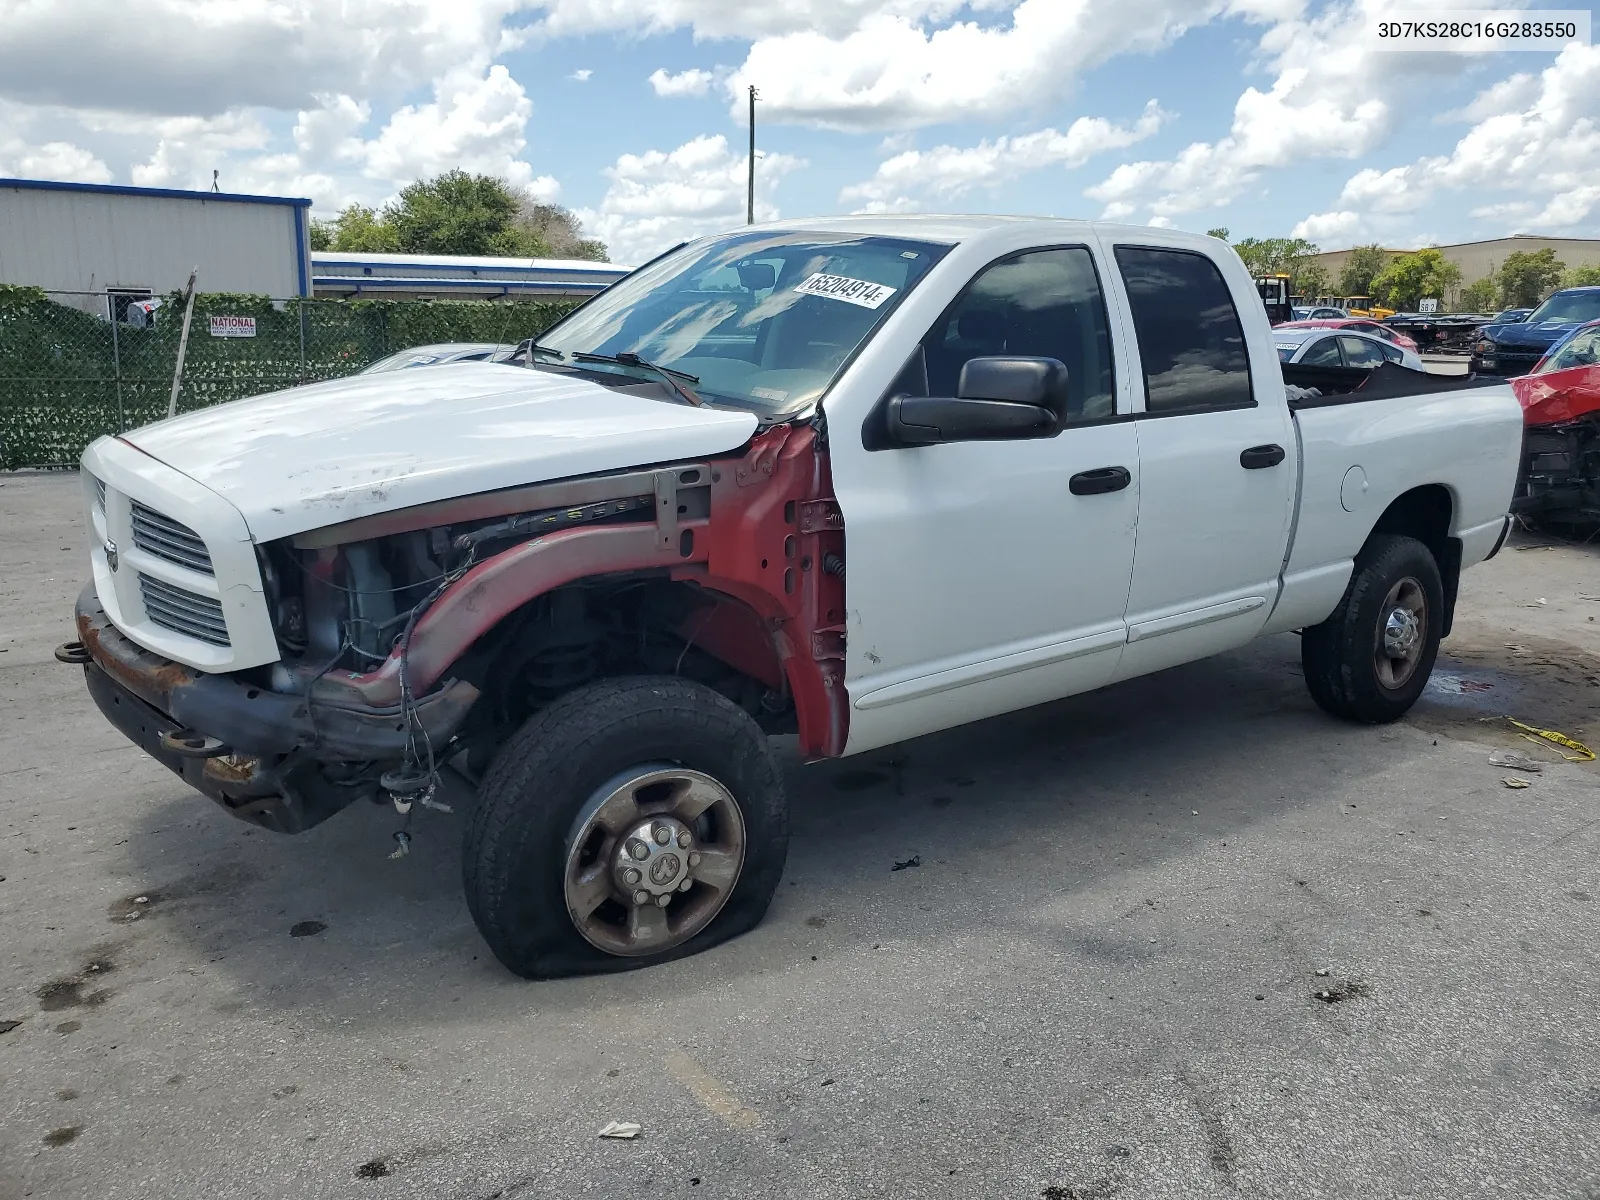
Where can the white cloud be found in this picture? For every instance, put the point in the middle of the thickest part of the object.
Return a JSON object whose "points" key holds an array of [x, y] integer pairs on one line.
{"points": [[660, 197], [1330, 97], [1392, 191], [190, 148], [693, 82], [180, 57], [1329, 228], [53, 160], [948, 172], [1547, 152], [582, 75], [893, 71], [475, 123], [738, 18]]}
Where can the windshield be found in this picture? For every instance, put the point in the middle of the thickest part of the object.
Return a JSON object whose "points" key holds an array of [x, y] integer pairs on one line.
{"points": [[1568, 307], [1581, 349], [761, 321]]}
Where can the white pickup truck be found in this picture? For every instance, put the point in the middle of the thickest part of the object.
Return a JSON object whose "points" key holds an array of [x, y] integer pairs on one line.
{"points": [[1052, 455]]}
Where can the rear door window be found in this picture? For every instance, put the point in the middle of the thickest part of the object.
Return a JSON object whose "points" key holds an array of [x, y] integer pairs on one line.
{"points": [[1359, 352], [1324, 353], [1191, 343]]}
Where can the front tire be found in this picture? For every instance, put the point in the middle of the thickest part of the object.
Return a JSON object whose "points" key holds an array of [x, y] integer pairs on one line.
{"points": [[632, 822], [1370, 660]]}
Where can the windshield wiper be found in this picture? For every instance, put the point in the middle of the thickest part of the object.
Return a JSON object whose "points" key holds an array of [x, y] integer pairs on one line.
{"points": [[667, 375], [530, 347]]}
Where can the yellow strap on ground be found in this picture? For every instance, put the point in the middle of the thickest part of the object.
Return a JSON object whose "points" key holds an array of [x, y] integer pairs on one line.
{"points": [[1584, 754]]}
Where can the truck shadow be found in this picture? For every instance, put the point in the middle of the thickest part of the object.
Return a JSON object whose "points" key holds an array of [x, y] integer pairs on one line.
{"points": [[987, 829]]}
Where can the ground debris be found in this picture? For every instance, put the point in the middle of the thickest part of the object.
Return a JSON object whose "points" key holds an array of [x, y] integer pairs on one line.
{"points": [[623, 1131], [914, 861], [1514, 760], [1511, 781], [1345, 989], [8, 1026]]}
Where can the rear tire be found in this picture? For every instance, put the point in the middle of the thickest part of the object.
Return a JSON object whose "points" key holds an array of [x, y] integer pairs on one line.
{"points": [[538, 852], [1370, 660]]}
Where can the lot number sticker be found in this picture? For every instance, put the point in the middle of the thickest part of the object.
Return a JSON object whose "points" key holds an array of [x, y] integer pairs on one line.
{"points": [[233, 327], [842, 287]]}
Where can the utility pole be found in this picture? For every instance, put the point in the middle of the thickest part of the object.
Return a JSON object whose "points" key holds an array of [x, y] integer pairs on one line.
{"points": [[750, 187]]}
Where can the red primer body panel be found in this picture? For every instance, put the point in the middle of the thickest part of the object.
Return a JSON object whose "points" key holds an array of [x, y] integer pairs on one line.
{"points": [[1557, 397], [778, 616]]}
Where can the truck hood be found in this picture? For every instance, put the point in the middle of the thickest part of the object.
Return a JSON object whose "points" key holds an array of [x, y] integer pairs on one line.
{"points": [[1524, 336], [312, 456]]}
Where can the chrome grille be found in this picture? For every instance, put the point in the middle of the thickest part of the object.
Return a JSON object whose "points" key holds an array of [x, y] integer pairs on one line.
{"points": [[100, 491], [158, 534], [183, 611]]}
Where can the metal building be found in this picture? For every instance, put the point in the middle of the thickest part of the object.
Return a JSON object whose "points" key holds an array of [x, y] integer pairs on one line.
{"points": [[1479, 260], [346, 274], [136, 242]]}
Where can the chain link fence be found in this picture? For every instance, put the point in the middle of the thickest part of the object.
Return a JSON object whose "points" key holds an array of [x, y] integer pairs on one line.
{"points": [[76, 365]]}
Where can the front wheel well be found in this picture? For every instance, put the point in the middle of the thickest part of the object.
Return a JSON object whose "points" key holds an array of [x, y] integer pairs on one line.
{"points": [[1425, 513], [628, 624]]}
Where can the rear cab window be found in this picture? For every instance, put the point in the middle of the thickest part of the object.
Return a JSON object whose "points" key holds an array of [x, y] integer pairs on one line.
{"points": [[1191, 342]]}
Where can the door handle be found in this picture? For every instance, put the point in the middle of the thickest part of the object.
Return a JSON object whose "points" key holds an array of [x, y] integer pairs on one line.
{"points": [[1104, 479], [1257, 457]]}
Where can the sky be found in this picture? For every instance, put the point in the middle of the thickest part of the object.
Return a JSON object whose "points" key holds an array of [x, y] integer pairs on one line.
{"points": [[1269, 117]]}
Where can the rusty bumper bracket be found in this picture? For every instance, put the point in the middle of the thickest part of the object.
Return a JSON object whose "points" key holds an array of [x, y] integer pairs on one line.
{"points": [[253, 720]]}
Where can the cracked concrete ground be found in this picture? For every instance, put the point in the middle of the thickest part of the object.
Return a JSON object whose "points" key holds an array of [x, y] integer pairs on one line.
{"points": [[1187, 937]]}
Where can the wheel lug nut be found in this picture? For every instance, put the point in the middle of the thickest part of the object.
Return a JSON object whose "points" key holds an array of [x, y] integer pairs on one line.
{"points": [[684, 839], [694, 859], [631, 876], [641, 897], [663, 835], [663, 901], [686, 884], [638, 849]]}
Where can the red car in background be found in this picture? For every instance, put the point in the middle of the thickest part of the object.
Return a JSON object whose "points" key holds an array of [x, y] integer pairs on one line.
{"points": [[1561, 440], [1361, 324]]}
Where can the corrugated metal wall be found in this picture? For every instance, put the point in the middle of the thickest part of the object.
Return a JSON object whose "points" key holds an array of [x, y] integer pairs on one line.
{"points": [[86, 240]]}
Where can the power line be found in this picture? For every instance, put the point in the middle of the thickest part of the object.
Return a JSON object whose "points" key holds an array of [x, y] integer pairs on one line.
{"points": [[750, 186]]}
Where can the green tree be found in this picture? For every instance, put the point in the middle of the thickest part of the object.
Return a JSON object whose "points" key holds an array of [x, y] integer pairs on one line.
{"points": [[457, 213], [1526, 276], [557, 230], [1410, 277], [358, 228], [321, 234], [1364, 263], [1311, 279], [1221, 233], [1274, 256], [1481, 297], [1588, 276]]}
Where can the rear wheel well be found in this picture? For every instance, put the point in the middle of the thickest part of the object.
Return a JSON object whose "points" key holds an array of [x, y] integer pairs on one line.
{"points": [[1424, 513], [626, 624]]}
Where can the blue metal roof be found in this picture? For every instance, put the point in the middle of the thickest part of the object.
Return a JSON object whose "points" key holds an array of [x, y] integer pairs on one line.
{"points": [[383, 283], [117, 189]]}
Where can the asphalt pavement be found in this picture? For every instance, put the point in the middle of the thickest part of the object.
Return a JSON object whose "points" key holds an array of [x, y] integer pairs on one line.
{"points": [[1187, 937]]}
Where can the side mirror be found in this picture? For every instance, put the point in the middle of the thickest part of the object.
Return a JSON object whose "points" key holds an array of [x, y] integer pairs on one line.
{"points": [[1040, 381], [1001, 398], [930, 420], [757, 277]]}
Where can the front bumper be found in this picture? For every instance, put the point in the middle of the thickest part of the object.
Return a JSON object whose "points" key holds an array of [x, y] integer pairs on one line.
{"points": [[1503, 362], [279, 761]]}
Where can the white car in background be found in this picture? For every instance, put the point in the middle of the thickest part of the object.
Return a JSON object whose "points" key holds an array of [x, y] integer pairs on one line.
{"points": [[1325, 347], [445, 352]]}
